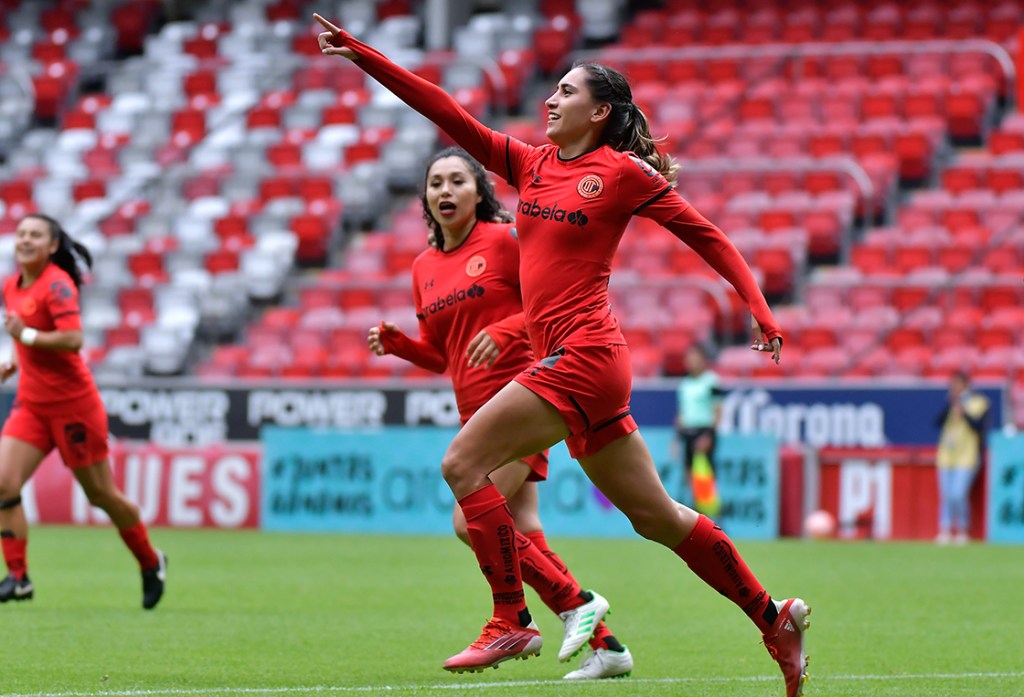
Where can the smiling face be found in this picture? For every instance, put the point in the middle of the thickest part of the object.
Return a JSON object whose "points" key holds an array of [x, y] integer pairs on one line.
{"points": [[34, 243], [573, 115], [452, 194]]}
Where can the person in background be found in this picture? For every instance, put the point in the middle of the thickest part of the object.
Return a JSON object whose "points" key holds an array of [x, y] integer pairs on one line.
{"points": [[699, 410], [577, 195], [57, 404], [963, 424], [480, 339]]}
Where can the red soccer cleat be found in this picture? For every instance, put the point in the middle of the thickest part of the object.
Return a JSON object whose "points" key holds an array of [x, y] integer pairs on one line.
{"points": [[785, 643], [500, 641]]}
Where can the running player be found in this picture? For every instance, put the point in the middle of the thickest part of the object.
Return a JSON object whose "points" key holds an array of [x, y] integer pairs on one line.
{"points": [[576, 198], [57, 404], [479, 336]]}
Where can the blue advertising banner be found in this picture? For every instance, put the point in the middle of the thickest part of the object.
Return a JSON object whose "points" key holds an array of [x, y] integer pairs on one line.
{"points": [[384, 479], [838, 415], [388, 480], [1006, 488], [747, 475]]}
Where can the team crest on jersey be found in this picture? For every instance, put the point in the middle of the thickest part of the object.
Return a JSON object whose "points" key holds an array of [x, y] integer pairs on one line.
{"points": [[28, 307], [590, 186], [475, 266]]}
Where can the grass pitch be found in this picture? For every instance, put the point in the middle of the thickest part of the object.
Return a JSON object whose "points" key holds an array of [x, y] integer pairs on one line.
{"points": [[272, 614]]}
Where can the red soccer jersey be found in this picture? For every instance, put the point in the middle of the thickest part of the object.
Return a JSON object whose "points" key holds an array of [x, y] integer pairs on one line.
{"points": [[571, 216], [460, 292], [50, 303]]}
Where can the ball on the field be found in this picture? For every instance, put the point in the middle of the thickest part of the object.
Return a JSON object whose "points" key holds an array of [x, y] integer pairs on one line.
{"points": [[820, 525]]}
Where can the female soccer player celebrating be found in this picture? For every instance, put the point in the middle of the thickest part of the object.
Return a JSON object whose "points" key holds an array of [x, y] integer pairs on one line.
{"points": [[57, 404], [576, 197], [479, 337]]}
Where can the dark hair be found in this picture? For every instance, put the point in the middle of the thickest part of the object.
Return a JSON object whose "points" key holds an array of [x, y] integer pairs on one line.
{"points": [[489, 209], [69, 252], [627, 129]]}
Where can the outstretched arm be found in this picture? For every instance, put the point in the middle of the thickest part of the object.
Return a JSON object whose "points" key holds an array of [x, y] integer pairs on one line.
{"points": [[716, 249], [389, 339], [485, 145]]}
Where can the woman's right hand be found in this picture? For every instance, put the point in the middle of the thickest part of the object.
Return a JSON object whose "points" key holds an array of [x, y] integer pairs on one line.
{"points": [[328, 40], [373, 339], [7, 370]]}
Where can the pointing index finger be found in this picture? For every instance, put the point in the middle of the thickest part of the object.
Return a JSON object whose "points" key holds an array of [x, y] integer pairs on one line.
{"points": [[326, 24]]}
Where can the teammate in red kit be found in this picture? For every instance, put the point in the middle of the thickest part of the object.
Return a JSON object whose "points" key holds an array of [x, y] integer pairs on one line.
{"points": [[576, 198], [57, 404], [468, 301]]}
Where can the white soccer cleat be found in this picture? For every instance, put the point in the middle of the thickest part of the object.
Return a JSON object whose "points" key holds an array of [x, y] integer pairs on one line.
{"points": [[601, 664], [580, 624]]}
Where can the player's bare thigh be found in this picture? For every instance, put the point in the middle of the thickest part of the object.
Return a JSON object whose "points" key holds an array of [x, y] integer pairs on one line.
{"points": [[514, 424]]}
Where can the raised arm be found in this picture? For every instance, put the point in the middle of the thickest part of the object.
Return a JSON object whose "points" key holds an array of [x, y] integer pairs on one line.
{"points": [[485, 145]]}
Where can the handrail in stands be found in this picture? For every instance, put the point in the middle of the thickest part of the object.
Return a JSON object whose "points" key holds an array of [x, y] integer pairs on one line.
{"points": [[806, 50], [844, 165]]}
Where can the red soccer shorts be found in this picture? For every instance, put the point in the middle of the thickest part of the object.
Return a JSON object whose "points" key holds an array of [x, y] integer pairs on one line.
{"points": [[78, 431], [590, 386]]}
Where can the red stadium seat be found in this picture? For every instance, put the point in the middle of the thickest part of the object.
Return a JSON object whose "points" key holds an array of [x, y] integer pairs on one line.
{"points": [[956, 179], [907, 257], [221, 260], [965, 112], [148, 267], [1000, 180], [955, 257], [1002, 142], [124, 335]]}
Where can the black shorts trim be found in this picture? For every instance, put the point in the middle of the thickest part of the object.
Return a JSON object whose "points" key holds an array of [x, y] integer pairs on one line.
{"points": [[609, 422], [586, 419]]}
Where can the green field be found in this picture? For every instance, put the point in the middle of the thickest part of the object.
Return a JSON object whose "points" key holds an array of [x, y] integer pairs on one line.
{"points": [[252, 613]]}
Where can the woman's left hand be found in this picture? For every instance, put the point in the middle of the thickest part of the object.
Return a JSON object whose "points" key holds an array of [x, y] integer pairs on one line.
{"points": [[14, 325], [483, 350], [775, 345], [327, 40]]}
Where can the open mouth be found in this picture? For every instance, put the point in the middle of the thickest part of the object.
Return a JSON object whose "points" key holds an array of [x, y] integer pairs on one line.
{"points": [[553, 117], [446, 207]]}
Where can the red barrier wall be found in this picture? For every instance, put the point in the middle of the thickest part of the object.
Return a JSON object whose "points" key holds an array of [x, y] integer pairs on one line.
{"points": [[888, 493], [211, 487]]}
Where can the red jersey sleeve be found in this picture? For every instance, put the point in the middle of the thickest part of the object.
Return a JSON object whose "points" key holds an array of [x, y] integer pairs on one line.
{"points": [[416, 351], [424, 352], [62, 301], [508, 329], [514, 326], [497, 152], [653, 197]]}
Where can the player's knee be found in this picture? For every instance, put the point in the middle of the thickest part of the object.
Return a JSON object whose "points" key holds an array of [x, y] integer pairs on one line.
{"points": [[654, 526], [455, 466]]}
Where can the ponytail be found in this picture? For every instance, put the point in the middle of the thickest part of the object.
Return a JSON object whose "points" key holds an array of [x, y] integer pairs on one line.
{"points": [[628, 129], [69, 253]]}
